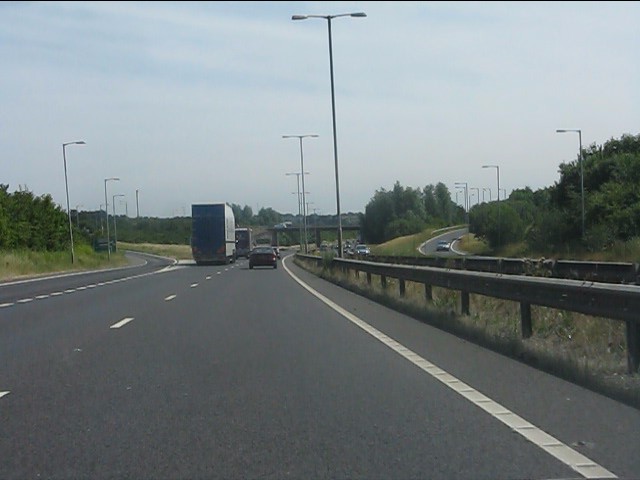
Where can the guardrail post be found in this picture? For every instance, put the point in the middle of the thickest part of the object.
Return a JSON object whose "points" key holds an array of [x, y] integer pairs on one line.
{"points": [[464, 300], [383, 281], [368, 278], [525, 320], [428, 292], [633, 346], [402, 287]]}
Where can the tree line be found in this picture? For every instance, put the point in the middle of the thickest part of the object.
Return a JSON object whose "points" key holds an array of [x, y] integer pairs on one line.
{"points": [[548, 219], [551, 219]]}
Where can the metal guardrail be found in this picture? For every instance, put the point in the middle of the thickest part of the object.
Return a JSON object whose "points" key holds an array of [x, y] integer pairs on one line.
{"points": [[606, 300], [608, 272]]}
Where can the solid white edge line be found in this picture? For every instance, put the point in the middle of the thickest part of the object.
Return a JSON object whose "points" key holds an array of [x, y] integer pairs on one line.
{"points": [[573, 459], [122, 322]]}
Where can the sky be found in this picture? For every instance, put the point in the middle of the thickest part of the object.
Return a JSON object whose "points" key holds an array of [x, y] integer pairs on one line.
{"points": [[188, 102]]}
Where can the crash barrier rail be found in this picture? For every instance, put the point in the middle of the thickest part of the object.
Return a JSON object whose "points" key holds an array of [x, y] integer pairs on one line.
{"points": [[606, 300], [608, 272]]}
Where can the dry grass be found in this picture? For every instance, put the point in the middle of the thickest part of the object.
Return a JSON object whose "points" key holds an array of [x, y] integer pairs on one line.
{"points": [[18, 264], [179, 252], [586, 350]]}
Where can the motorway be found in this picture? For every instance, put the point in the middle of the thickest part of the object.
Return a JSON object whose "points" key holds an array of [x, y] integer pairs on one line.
{"points": [[164, 370]]}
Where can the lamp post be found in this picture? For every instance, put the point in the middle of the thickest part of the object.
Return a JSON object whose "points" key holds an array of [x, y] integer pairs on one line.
{"points": [[115, 227], [497, 167], [66, 186], [328, 18], [579, 132], [304, 210], [106, 211], [466, 198], [297, 174], [477, 194], [137, 205]]}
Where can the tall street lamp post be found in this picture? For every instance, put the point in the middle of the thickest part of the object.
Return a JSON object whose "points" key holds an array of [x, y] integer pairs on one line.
{"points": [[477, 189], [466, 198], [66, 186], [328, 18], [115, 228], [106, 211], [498, 176], [297, 174], [579, 132], [304, 210]]}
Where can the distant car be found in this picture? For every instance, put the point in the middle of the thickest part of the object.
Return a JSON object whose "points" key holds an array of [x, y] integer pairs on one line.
{"points": [[361, 250], [263, 257], [443, 246]]}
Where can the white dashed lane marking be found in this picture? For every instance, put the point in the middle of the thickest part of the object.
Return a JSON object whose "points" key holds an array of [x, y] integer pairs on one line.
{"points": [[122, 322], [2, 394], [170, 297]]}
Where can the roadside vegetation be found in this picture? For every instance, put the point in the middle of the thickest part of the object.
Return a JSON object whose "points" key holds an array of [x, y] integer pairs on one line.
{"points": [[18, 264], [179, 252]]}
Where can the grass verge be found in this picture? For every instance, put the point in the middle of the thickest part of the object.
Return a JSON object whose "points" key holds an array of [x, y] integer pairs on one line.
{"points": [[17, 264], [179, 252]]}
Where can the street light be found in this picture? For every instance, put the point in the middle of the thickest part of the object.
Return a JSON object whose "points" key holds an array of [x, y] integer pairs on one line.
{"points": [[115, 227], [304, 210], [328, 18], [106, 211], [66, 186], [297, 174], [498, 195], [477, 194], [466, 198], [579, 132]]}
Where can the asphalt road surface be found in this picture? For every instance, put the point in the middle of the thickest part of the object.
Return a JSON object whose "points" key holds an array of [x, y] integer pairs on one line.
{"points": [[185, 372]]}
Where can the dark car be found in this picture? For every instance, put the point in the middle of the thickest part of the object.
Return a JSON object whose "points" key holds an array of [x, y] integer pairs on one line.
{"points": [[263, 257]]}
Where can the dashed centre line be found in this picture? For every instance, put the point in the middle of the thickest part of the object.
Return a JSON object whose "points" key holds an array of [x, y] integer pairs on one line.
{"points": [[3, 305], [193, 285], [25, 300], [2, 394], [169, 298], [122, 322]]}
